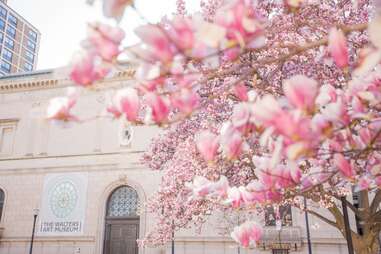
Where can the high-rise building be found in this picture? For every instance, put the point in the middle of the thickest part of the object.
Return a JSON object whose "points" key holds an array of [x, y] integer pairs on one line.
{"points": [[19, 42]]}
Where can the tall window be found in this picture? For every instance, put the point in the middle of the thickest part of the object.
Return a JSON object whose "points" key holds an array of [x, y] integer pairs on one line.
{"points": [[7, 55], [29, 56], [31, 45], [284, 215], [32, 35], [11, 32], [7, 133], [28, 66], [2, 24], [4, 66], [12, 20], [1, 37], [123, 202], [3, 12], [2, 197], [9, 43]]}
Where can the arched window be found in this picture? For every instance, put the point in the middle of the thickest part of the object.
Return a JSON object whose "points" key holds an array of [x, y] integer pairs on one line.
{"points": [[2, 197], [123, 202], [122, 222]]}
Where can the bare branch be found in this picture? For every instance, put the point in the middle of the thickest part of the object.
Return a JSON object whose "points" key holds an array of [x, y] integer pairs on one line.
{"points": [[375, 202], [321, 217]]}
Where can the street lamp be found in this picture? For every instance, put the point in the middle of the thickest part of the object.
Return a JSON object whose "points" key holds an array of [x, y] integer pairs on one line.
{"points": [[307, 226], [347, 227], [173, 237], [35, 214]]}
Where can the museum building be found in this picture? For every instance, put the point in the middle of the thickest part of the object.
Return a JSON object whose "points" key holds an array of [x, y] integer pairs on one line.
{"points": [[84, 185]]}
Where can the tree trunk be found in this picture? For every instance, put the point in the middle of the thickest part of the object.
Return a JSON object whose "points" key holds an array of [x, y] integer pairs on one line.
{"points": [[366, 244]]}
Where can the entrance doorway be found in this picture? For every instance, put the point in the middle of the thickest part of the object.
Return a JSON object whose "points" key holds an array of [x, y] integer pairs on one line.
{"points": [[122, 222]]}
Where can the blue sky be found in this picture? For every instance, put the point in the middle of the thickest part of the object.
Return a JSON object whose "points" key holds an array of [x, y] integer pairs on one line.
{"points": [[63, 23]]}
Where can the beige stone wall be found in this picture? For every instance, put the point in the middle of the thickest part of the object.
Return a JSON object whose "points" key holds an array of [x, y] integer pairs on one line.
{"points": [[93, 147]]}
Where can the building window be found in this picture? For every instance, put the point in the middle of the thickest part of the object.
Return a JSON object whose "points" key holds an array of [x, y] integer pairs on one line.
{"points": [[2, 198], [11, 32], [281, 251], [31, 45], [12, 20], [3, 12], [32, 35], [123, 202], [2, 25], [284, 215], [28, 66], [29, 56], [7, 132], [1, 37], [6, 67], [7, 55], [9, 43]]}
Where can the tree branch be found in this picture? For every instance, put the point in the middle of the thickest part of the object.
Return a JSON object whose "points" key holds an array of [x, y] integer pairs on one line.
{"points": [[355, 210], [375, 202], [321, 217]]}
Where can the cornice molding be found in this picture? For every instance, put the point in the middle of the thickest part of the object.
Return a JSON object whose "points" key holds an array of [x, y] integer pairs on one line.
{"points": [[48, 80]]}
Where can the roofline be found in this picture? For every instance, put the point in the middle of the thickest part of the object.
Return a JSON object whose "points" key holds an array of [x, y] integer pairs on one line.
{"points": [[26, 74]]}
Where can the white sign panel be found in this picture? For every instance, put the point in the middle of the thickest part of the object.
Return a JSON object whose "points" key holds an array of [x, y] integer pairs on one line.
{"points": [[63, 204]]}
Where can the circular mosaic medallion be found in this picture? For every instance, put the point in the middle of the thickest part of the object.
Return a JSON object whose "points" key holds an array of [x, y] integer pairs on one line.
{"points": [[63, 199]]}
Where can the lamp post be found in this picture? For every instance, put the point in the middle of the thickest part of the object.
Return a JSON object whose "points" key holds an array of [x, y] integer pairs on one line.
{"points": [[348, 234], [173, 238], [307, 227], [35, 214]]}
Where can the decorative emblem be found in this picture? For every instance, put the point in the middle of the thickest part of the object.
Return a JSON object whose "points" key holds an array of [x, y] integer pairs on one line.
{"points": [[125, 134], [63, 199]]}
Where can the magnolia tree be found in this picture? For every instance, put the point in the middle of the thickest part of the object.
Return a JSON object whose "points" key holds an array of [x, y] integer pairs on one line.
{"points": [[263, 103]]}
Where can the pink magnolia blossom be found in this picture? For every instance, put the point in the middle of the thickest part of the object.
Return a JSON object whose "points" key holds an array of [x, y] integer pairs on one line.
{"points": [[266, 110], [344, 166], [240, 91], [126, 101], [232, 54], [201, 186], [231, 142], [59, 109], [247, 234], [326, 95], [336, 112], [207, 145], [241, 117], [337, 46], [240, 20], [160, 107], [364, 183], [220, 188], [158, 43], [182, 33], [234, 197], [105, 40], [378, 181], [301, 91], [84, 71], [115, 8], [185, 100]]}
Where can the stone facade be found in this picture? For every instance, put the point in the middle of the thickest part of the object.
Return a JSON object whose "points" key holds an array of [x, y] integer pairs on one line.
{"points": [[33, 149]]}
